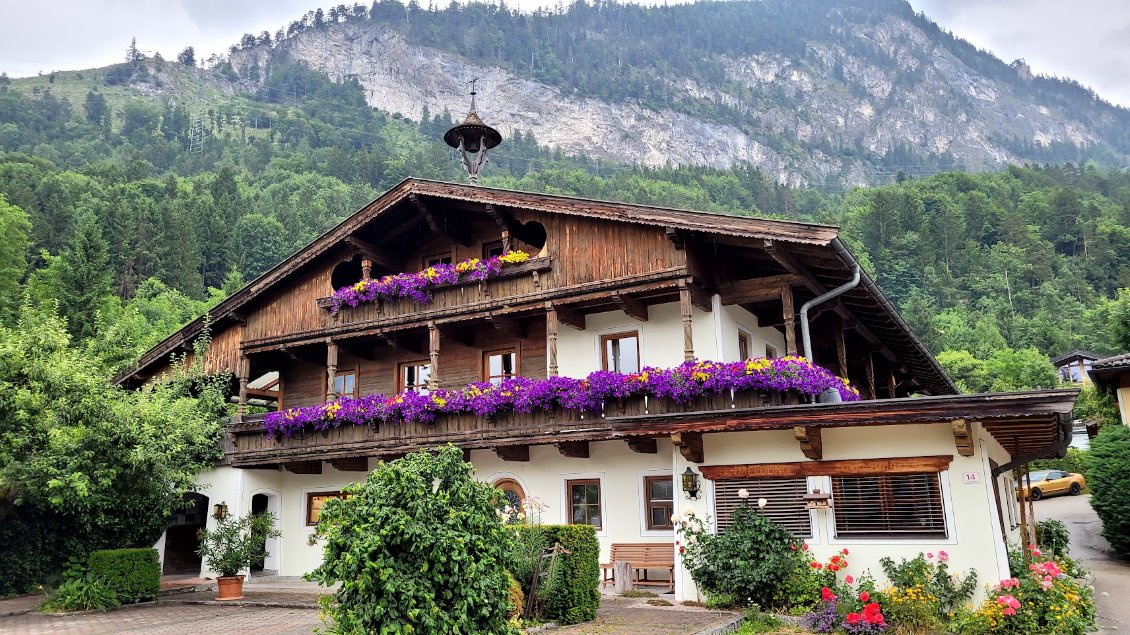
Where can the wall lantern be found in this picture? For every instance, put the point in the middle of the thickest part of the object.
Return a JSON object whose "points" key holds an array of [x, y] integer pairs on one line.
{"points": [[690, 484], [220, 511], [817, 500], [472, 139]]}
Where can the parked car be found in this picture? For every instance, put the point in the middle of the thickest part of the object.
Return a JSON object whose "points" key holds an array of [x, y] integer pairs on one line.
{"points": [[1052, 482]]}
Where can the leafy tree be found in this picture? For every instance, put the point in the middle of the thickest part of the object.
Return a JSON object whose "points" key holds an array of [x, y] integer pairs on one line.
{"points": [[258, 243], [14, 227], [1109, 478], [417, 547], [1119, 320]]}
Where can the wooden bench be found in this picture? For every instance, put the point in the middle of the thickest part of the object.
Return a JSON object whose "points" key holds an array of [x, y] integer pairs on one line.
{"points": [[641, 556]]}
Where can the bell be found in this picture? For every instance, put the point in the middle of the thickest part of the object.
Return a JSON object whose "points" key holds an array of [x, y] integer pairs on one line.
{"points": [[472, 137]]}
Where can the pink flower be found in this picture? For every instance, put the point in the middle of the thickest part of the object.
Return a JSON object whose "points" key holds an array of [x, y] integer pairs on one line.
{"points": [[930, 555], [943, 556], [864, 597], [849, 579], [1009, 611], [827, 595]]}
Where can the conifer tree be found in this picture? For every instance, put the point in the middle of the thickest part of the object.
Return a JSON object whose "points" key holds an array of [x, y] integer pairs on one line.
{"points": [[84, 277]]}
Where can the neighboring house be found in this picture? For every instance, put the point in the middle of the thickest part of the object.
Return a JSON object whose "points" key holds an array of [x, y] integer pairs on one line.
{"points": [[1113, 373], [1075, 367], [912, 466]]}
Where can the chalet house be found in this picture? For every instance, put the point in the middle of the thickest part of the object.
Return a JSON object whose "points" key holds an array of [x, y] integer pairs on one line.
{"points": [[1075, 367], [1113, 374], [895, 464]]}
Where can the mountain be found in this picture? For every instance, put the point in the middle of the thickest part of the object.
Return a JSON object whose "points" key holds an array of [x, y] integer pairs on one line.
{"points": [[812, 92]]}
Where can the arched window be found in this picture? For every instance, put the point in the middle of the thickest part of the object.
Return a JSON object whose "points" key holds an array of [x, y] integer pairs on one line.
{"points": [[513, 492]]}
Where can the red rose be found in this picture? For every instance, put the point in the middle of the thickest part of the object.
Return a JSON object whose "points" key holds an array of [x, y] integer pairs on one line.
{"points": [[833, 568], [854, 618], [827, 595], [865, 597]]}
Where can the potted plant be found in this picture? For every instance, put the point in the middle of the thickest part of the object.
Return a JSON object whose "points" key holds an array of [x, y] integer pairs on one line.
{"points": [[234, 545]]}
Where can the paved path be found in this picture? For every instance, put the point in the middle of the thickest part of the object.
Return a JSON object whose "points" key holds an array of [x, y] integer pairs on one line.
{"points": [[633, 616], [1091, 550], [169, 619]]}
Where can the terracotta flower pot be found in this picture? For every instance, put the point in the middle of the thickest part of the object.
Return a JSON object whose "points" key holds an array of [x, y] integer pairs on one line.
{"points": [[229, 587]]}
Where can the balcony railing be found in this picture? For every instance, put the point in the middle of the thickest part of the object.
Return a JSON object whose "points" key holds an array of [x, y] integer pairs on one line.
{"points": [[249, 443]]}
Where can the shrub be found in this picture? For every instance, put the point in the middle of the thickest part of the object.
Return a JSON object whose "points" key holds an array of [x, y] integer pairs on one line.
{"points": [[1053, 538], [928, 575], [1109, 479], [749, 561], [82, 594], [418, 547], [1043, 600], [516, 599], [569, 591], [133, 575], [237, 543]]}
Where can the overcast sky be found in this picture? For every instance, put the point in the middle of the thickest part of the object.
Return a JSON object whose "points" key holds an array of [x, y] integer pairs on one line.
{"points": [[1088, 40]]}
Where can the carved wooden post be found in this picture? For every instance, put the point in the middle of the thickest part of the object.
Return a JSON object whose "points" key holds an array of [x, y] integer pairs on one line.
{"points": [[244, 376], [331, 369], [505, 241], [551, 327], [841, 350], [892, 385], [869, 369], [433, 355], [366, 268], [685, 309], [790, 319]]}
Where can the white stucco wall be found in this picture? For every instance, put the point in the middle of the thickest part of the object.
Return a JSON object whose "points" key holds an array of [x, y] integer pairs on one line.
{"points": [[1123, 397]]}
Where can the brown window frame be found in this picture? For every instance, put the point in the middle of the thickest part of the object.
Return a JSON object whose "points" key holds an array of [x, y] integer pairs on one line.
{"points": [[771, 351], [886, 504], [438, 255], [493, 245], [743, 343], [604, 339], [401, 386], [356, 372], [569, 484], [310, 496], [486, 376], [650, 503]]}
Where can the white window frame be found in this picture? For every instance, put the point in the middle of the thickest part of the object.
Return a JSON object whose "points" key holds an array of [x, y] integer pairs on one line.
{"points": [[642, 502], [829, 522], [602, 532]]}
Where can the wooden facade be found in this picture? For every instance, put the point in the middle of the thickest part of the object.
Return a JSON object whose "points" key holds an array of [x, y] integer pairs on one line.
{"points": [[587, 257]]}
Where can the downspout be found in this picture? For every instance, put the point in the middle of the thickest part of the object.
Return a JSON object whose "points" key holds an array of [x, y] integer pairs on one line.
{"points": [[1059, 448], [820, 299]]}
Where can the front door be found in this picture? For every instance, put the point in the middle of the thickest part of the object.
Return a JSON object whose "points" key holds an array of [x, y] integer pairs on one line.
{"points": [[182, 538]]}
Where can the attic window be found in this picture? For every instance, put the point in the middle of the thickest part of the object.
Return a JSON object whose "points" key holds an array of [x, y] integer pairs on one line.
{"points": [[346, 273]]}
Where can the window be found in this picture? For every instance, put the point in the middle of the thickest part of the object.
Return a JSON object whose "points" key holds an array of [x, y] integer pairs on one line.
{"points": [[620, 352], [499, 365], [345, 383], [659, 501], [443, 258], [743, 345], [784, 504], [414, 376], [770, 351], [314, 503], [584, 502], [492, 249], [888, 504]]}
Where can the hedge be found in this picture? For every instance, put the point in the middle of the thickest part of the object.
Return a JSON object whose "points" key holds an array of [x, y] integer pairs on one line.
{"points": [[134, 575], [575, 595], [1108, 475]]}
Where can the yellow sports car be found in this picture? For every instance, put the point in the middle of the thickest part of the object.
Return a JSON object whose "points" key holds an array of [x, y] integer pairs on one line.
{"points": [[1052, 482]]}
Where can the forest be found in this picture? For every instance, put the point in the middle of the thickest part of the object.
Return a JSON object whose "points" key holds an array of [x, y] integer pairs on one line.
{"points": [[121, 224]]}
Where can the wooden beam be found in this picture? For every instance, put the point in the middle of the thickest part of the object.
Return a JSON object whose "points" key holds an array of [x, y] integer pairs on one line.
{"points": [[244, 373], [841, 351], [676, 237], [643, 445], [354, 464], [811, 441], [458, 332], [574, 449], [789, 315], [700, 299], [869, 373], [551, 327], [382, 257], [398, 343], [303, 467], [629, 305], [331, 369], [450, 227], [513, 452], [963, 436], [850, 467], [433, 355], [690, 446], [686, 314], [570, 317], [507, 325], [760, 289]]}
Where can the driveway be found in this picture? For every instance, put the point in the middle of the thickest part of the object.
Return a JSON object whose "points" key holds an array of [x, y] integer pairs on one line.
{"points": [[161, 619], [1091, 550]]}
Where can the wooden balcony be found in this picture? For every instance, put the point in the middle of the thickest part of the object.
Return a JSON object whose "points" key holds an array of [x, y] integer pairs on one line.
{"points": [[512, 281], [249, 445]]}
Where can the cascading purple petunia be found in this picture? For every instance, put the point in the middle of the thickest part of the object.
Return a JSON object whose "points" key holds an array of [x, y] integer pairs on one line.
{"points": [[681, 384], [415, 285]]}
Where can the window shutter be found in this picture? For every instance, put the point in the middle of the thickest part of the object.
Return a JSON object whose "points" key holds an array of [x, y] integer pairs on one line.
{"points": [[888, 504], [783, 495]]}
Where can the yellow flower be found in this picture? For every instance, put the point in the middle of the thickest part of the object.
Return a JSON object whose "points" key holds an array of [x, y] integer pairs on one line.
{"points": [[514, 257]]}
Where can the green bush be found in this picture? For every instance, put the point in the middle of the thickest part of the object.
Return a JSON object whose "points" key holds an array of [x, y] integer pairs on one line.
{"points": [[82, 594], [134, 575], [570, 588], [750, 561], [418, 547], [235, 544], [1076, 461], [1052, 537], [1109, 479]]}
